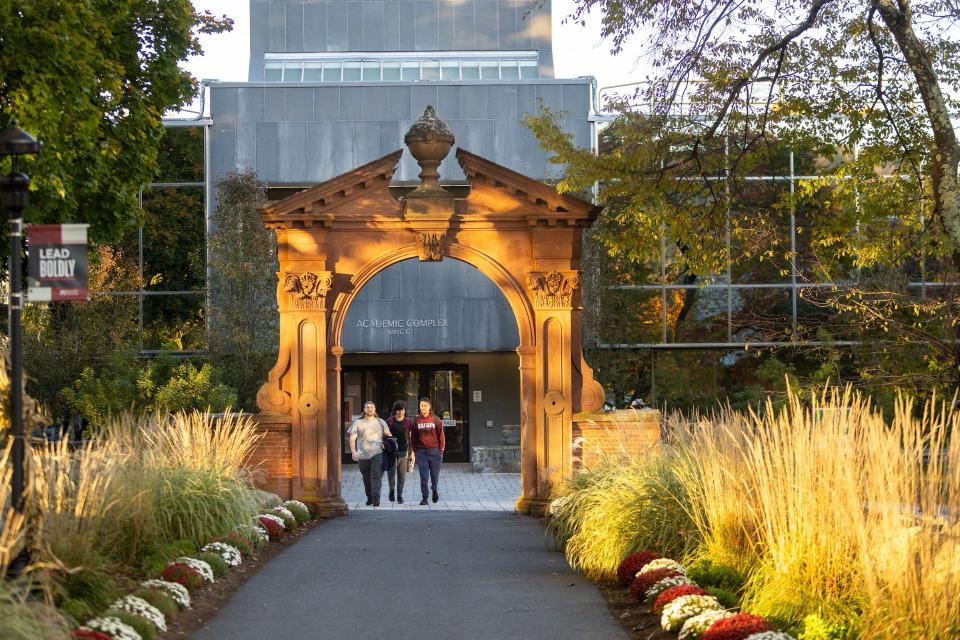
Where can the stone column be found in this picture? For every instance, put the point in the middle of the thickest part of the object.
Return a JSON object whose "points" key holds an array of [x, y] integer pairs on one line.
{"points": [[332, 504], [552, 293], [529, 449], [308, 379]]}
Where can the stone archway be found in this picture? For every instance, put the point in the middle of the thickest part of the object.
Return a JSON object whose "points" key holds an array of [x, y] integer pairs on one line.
{"points": [[334, 237]]}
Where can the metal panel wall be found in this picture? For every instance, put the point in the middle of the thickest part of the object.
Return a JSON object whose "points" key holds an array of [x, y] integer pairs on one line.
{"points": [[305, 134]]}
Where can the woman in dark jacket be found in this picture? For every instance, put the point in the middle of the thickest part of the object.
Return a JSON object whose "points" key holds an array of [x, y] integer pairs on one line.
{"points": [[399, 425]]}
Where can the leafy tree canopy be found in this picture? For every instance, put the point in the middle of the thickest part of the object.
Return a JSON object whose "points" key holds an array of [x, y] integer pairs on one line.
{"points": [[92, 80], [860, 89]]}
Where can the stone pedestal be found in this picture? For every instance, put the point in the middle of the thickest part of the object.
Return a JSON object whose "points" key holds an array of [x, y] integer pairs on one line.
{"points": [[629, 433]]}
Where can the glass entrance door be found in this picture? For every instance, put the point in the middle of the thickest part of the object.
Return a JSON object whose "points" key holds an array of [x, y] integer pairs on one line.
{"points": [[445, 385], [445, 390]]}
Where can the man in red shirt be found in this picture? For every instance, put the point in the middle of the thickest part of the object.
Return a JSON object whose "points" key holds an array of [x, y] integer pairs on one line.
{"points": [[428, 442]]}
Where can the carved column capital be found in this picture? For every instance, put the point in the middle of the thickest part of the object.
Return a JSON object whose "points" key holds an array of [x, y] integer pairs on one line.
{"points": [[307, 290], [431, 245], [553, 289]]}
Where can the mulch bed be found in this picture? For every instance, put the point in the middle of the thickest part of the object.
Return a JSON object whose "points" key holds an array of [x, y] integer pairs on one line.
{"points": [[635, 617], [206, 602]]}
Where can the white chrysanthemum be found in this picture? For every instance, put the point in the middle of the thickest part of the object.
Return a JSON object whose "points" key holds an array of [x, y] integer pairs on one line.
{"points": [[230, 554], [277, 519], [175, 590], [662, 585], [558, 504], [678, 611], [770, 635], [695, 627], [199, 566], [256, 530], [113, 627], [296, 503], [662, 563], [285, 513], [140, 607]]}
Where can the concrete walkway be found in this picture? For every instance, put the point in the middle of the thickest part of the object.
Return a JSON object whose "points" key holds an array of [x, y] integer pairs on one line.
{"points": [[431, 575], [460, 490]]}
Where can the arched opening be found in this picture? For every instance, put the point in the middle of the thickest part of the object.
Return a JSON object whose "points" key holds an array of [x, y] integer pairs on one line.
{"points": [[442, 330]]}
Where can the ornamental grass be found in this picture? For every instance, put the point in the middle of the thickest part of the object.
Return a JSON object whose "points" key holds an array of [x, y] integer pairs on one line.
{"points": [[820, 514], [617, 508]]}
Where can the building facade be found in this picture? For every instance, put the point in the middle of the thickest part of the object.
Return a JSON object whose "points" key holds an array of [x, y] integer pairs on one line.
{"points": [[334, 85]]}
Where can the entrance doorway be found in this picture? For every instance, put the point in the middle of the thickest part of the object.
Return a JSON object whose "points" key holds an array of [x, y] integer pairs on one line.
{"points": [[445, 384]]}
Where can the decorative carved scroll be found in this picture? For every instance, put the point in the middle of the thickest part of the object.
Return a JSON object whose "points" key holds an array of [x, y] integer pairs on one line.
{"points": [[553, 289], [307, 290], [431, 245]]}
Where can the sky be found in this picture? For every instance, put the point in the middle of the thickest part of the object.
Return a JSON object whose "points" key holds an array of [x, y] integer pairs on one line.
{"points": [[577, 50]]}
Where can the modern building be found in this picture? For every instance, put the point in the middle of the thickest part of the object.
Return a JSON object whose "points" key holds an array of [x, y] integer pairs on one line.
{"points": [[336, 84]]}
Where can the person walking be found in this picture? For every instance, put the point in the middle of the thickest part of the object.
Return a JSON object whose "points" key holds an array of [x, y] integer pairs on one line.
{"points": [[428, 442], [366, 448], [399, 425]]}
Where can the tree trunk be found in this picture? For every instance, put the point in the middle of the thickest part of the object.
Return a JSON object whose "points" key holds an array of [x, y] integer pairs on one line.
{"points": [[896, 15]]}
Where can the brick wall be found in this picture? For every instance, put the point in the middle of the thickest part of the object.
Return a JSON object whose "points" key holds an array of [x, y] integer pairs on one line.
{"points": [[272, 458], [613, 435]]}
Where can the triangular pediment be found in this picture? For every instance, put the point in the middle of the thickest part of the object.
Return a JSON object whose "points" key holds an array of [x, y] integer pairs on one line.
{"points": [[363, 192], [498, 191]]}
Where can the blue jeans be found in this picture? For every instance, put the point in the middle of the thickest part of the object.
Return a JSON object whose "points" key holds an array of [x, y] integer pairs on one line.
{"points": [[428, 462]]}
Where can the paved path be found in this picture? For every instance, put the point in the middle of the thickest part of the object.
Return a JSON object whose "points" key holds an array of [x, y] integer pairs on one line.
{"points": [[460, 490], [464, 575]]}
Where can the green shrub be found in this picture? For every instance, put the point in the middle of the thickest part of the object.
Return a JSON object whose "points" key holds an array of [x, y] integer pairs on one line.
{"points": [[159, 556], [816, 628], [87, 588], [302, 515], [142, 626], [192, 388], [77, 609], [121, 384], [160, 599], [216, 562], [708, 573], [728, 598]]}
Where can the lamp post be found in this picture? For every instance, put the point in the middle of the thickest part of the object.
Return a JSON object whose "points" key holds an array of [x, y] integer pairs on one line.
{"points": [[14, 195]]}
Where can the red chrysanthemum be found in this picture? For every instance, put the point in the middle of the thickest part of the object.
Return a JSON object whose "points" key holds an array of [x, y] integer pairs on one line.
{"points": [[89, 634], [628, 569], [236, 540], [673, 593], [274, 529], [640, 584], [736, 627], [183, 574]]}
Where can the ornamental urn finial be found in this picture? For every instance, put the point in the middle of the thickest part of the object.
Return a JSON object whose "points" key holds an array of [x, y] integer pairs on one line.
{"points": [[429, 141]]}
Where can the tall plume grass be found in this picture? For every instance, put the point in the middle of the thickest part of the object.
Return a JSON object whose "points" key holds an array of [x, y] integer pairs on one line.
{"points": [[622, 505], [838, 517], [12, 524]]}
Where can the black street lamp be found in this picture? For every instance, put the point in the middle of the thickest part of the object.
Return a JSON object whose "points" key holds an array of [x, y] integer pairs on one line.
{"points": [[14, 195]]}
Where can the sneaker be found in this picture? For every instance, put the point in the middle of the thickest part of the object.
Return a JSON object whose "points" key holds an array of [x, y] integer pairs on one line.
{"points": [[369, 501], [376, 503], [436, 496], [423, 502], [392, 496], [399, 499]]}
